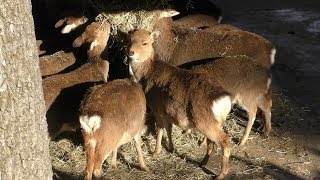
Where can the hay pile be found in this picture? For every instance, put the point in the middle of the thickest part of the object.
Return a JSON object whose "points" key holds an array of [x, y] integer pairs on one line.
{"points": [[122, 14]]}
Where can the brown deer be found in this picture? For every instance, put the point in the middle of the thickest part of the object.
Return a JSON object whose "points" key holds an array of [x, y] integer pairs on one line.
{"points": [[185, 98], [53, 87], [178, 47], [97, 35], [248, 82], [71, 23], [112, 114]]}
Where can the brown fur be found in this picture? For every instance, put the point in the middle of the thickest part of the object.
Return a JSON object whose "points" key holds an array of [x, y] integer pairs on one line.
{"points": [[91, 72], [179, 96], [52, 64], [54, 85], [97, 35], [247, 81], [178, 47], [195, 21], [231, 73], [222, 28], [121, 105]]}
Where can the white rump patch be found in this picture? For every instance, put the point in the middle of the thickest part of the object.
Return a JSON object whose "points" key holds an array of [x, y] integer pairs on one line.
{"points": [[93, 44], [90, 124], [268, 83], [68, 28], [221, 108], [272, 55]]}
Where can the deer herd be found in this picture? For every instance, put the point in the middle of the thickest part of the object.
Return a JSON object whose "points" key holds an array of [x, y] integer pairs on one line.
{"points": [[112, 113]]}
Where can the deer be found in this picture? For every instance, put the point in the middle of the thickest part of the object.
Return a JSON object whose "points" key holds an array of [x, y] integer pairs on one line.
{"points": [[56, 86], [181, 97], [247, 81], [56, 89], [178, 47], [196, 44], [97, 35], [112, 114], [71, 23]]}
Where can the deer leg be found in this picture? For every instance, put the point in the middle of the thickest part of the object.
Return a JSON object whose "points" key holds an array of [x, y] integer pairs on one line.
{"points": [[137, 140], [209, 151], [252, 116], [169, 133], [158, 142], [114, 159], [215, 133]]}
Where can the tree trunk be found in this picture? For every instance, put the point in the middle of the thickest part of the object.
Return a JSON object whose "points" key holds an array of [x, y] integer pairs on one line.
{"points": [[24, 145]]}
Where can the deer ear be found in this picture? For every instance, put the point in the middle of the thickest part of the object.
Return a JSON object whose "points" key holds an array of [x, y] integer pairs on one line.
{"points": [[59, 23], [155, 35], [169, 13]]}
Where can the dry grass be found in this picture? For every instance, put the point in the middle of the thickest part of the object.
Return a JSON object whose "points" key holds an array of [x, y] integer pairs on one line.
{"points": [[122, 14], [69, 158], [121, 21], [259, 159]]}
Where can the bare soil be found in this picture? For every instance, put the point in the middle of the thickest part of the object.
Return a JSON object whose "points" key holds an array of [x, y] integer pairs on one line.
{"points": [[293, 149]]}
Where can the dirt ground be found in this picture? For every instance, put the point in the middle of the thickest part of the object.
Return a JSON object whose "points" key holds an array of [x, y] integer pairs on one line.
{"points": [[293, 149]]}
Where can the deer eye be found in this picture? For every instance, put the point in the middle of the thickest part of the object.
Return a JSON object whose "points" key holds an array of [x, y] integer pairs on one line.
{"points": [[144, 44]]}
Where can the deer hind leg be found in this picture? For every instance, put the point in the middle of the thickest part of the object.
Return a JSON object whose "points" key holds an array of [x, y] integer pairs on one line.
{"points": [[157, 150], [137, 140], [168, 127], [215, 133], [160, 125], [265, 105], [90, 146], [209, 150], [114, 159], [252, 111], [102, 152]]}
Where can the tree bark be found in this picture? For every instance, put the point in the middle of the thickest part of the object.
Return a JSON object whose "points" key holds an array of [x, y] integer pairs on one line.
{"points": [[24, 145]]}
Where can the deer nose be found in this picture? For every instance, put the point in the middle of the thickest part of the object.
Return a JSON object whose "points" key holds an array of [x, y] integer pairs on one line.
{"points": [[131, 53]]}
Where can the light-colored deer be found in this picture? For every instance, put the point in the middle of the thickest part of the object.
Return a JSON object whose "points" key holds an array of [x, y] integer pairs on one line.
{"points": [[112, 114]]}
